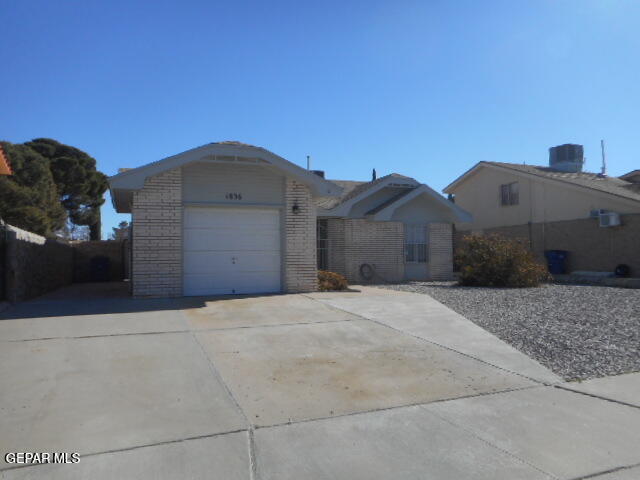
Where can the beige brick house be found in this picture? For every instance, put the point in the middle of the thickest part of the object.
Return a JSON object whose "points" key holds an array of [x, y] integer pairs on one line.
{"points": [[231, 218]]}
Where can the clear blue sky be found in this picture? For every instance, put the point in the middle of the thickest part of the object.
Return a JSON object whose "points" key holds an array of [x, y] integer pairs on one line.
{"points": [[423, 88]]}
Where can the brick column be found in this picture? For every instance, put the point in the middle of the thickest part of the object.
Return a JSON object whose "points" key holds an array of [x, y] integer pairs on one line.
{"points": [[440, 251], [156, 269], [300, 267]]}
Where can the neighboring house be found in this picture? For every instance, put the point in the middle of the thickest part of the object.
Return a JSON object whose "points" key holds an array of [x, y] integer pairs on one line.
{"points": [[231, 218], [556, 207], [5, 167]]}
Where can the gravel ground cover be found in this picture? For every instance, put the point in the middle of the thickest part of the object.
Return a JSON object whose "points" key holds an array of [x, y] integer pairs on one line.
{"points": [[577, 331]]}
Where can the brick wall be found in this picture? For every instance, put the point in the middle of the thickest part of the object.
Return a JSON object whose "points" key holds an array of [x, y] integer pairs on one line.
{"points": [[353, 242], [157, 236], [590, 247], [33, 265], [300, 267], [440, 251]]}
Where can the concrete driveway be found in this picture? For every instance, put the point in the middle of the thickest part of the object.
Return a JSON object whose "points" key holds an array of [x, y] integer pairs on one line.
{"points": [[372, 384]]}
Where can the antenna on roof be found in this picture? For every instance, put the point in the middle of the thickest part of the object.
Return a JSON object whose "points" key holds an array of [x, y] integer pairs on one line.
{"points": [[603, 172], [373, 175], [308, 162]]}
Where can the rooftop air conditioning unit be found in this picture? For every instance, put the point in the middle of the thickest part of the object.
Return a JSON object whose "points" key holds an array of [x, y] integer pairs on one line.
{"points": [[609, 219], [596, 213]]}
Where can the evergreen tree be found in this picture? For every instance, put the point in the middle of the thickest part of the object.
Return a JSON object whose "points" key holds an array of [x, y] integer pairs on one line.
{"points": [[121, 232], [80, 185], [29, 198]]}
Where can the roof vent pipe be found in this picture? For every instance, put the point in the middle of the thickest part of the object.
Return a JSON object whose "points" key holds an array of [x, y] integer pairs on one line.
{"points": [[603, 172]]}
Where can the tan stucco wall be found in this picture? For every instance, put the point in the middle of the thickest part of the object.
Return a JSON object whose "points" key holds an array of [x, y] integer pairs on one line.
{"points": [[423, 209], [540, 201]]}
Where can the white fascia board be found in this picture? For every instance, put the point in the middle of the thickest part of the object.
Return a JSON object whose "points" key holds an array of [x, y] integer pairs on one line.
{"points": [[453, 185], [343, 209], [134, 179], [386, 213]]}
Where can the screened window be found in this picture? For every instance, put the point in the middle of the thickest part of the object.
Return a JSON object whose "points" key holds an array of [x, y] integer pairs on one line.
{"points": [[415, 243], [509, 194], [322, 244]]}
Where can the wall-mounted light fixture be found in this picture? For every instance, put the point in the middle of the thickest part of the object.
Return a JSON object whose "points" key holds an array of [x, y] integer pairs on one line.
{"points": [[295, 209]]}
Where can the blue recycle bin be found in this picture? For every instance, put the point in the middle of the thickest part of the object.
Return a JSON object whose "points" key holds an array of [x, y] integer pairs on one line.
{"points": [[557, 261]]}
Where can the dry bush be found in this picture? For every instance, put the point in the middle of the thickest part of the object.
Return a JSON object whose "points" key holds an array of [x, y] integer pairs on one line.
{"points": [[330, 281], [496, 261]]}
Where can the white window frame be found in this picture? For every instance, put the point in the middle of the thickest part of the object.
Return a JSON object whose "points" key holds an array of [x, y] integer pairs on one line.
{"points": [[416, 243]]}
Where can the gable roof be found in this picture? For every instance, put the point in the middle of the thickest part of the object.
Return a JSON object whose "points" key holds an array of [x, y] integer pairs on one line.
{"points": [[592, 181], [352, 189], [354, 192], [129, 180], [5, 166], [391, 201], [347, 187], [385, 211], [631, 174]]}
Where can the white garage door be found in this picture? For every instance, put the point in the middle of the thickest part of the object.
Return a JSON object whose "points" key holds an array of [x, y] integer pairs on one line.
{"points": [[231, 250]]}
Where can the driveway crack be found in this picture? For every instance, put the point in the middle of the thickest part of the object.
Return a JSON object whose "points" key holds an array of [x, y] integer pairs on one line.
{"points": [[250, 426]]}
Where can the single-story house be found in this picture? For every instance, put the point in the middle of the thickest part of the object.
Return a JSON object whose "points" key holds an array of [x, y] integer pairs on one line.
{"points": [[593, 216], [231, 218]]}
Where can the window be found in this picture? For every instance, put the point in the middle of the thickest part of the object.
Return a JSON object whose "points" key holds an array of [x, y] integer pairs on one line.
{"points": [[322, 244], [509, 194], [415, 243]]}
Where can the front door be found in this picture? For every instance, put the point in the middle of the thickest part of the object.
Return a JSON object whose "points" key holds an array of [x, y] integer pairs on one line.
{"points": [[415, 251]]}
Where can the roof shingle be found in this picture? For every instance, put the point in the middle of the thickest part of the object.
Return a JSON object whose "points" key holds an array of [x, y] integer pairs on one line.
{"points": [[351, 189]]}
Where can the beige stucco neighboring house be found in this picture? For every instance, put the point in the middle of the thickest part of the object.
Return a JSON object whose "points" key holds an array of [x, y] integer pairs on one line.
{"points": [[232, 218], [593, 216]]}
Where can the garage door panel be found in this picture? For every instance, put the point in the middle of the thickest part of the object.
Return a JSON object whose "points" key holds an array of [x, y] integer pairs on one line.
{"points": [[232, 218], [214, 262], [232, 239], [208, 284], [231, 251], [198, 285]]}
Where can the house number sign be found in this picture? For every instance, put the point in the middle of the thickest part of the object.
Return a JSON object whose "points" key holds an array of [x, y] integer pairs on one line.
{"points": [[233, 196]]}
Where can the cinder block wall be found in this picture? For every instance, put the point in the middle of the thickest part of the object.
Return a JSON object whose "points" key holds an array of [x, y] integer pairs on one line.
{"points": [[300, 267], [33, 265], [440, 251], [590, 247], [84, 252], [353, 242], [157, 236]]}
